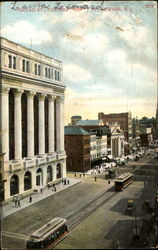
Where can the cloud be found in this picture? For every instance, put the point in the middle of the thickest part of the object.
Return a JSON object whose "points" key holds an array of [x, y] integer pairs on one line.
{"points": [[75, 73], [23, 32]]}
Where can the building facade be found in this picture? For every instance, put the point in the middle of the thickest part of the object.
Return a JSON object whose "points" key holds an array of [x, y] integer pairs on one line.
{"points": [[117, 141], [77, 146], [99, 137], [31, 119], [125, 122]]}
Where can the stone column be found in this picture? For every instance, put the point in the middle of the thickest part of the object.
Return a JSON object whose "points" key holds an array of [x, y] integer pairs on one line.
{"points": [[30, 124], [60, 124], [51, 137], [4, 122], [41, 127], [17, 124]]}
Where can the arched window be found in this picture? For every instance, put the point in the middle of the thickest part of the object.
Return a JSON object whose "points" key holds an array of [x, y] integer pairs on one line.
{"points": [[39, 177], [58, 171], [49, 174], [27, 181], [14, 185]]}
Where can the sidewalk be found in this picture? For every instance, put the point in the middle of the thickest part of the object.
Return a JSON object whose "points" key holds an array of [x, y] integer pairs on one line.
{"points": [[10, 208]]}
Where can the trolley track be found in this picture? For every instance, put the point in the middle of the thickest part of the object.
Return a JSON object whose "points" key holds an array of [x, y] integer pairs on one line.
{"points": [[83, 212]]}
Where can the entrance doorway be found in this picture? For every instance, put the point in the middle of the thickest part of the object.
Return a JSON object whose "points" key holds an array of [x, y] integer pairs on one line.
{"points": [[39, 177], [14, 185]]}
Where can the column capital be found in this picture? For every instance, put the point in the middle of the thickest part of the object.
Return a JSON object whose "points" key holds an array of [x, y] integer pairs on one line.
{"points": [[4, 90], [51, 98], [41, 97], [18, 92], [30, 94], [60, 99]]}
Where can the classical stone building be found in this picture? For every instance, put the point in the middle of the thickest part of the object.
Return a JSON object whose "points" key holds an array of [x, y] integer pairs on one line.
{"points": [[31, 119], [125, 122]]}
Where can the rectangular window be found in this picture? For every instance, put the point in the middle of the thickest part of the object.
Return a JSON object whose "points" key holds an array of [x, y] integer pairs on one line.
{"points": [[58, 76], [23, 65], [46, 72], [55, 75], [27, 66], [10, 61], [35, 69], [14, 62], [39, 70]]}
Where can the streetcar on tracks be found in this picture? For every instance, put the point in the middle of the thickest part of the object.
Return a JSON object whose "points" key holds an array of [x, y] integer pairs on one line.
{"points": [[123, 180], [48, 235]]}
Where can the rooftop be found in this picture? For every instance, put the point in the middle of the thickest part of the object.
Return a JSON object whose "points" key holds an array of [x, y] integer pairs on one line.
{"points": [[74, 130], [90, 123]]}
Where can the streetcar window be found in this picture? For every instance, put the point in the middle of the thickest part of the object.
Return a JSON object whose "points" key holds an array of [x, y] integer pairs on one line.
{"points": [[33, 245]]}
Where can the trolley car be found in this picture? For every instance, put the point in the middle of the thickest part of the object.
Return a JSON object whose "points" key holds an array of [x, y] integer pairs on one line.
{"points": [[48, 235], [123, 180]]}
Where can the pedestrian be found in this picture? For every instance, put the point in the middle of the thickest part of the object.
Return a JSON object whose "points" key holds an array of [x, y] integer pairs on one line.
{"points": [[41, 190], [30, 199], [83, 174], [68, 182], [16, 203], [19, 205], [108, 181], [55, 189], [75, 175], [48, 186], [95, 178], [80, 175]]}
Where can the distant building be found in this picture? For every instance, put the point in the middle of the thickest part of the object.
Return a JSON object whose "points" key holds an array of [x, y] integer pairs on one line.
{"points": [[125, 122], [101, 139], [77, 146], [117, 141], [146, 137], [75, 119]]}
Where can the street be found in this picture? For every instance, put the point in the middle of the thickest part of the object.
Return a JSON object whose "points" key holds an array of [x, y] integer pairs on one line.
{"points": [[103, 223]]}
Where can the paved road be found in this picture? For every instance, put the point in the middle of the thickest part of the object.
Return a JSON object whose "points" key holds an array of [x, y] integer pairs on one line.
{"points": [[107, 227]]}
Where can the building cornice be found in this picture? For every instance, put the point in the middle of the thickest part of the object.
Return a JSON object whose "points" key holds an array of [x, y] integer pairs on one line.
{"points": [[6, 75]]}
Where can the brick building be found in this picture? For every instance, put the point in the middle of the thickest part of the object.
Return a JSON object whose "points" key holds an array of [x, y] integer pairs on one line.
{"points": [[125, 122], [77, 146]]}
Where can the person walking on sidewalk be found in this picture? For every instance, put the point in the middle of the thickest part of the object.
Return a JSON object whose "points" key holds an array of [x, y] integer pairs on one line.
{"points": [[41, 190], [19, 205], [30, 199], [16, 203]]}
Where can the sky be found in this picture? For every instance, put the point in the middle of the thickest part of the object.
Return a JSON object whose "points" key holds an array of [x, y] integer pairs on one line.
{"points": [[108, 50]]}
